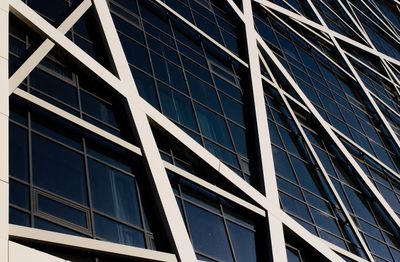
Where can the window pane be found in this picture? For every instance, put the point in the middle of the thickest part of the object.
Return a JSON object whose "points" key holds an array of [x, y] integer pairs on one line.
{"points": [[19, 194], [54, 87], [46, 225], [62, 211], [203, 93], [116, 232], [114, 193], [208, 233], [177, 106], [58, 169], [18, 152], [18, 217], [213, 126], [98, 109], [243, 241]]}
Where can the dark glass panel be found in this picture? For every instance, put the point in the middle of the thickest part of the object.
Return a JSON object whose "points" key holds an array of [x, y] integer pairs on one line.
{"points": [[47, 225], [233, 109], [116, 232], [58, 169], [62, 211], [135, 53], [18, 217], [239, 138], [177, 106], [98, 109], [203, 93], [208, 233], [213, 126], [56, 10], [18, 152], [57, 129], [54, 87], [243, 241], [114, 193], [19, 194], [146, 87], [292, 255]]}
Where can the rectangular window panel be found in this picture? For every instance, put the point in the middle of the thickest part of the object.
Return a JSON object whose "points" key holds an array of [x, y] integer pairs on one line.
{"points": [[114, 193], [58, 169], [208, 233], [18, 152], [116, 232], [62, 211]]}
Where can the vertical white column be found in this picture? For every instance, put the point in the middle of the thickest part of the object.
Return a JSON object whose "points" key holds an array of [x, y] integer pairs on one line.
{"points": [[4, 112], [276, 235]]}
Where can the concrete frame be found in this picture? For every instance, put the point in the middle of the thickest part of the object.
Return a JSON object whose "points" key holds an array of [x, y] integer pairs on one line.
{"points": [[143, 114]]}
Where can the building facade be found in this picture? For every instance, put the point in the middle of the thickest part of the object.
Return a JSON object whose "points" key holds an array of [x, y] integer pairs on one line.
{"points": [[209, 130]]}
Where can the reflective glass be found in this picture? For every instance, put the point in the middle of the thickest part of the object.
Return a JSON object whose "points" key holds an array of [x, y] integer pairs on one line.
{"points": [[58, 169]]}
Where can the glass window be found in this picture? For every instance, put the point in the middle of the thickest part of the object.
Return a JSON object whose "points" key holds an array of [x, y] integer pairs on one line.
{"points": [[99, 109], [19, 194], [58, 169], [213, 126], [208, 233], [18, 152], [56, 10], [114, 193], [203, 93], [282, 164], [146, 87], [112, 231], [54, 87], [18, 217], [62, 211], [233, 109], [292, 255], [177, 106], [135, 53], [243, 241], [47, 225], [239, 138]]}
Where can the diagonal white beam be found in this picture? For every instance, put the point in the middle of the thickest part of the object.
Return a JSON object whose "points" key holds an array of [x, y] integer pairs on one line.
{"points": [[327, 178], [331, 134], [173, 220], [38, 23], [277, 239], [34, 59], [365, 91], [164, 123], [319, 27]]}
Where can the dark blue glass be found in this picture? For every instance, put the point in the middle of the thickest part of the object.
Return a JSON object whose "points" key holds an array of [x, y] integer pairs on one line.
{"points": [[47, 225], [54, 87], [115, 232], [114, 193], [208, 233], [146, 87], [99, 109], [58, 169], [213, 126], [233, 109], [177, 106], [18, 217], [203, 93], [243, 241], [62, 211], [19, 194], [135, 53], [18, 152]]}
